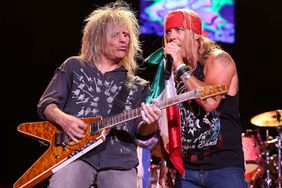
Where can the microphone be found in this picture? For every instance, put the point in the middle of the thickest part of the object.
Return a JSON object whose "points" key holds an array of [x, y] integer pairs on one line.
{"points": [[168, 66]]}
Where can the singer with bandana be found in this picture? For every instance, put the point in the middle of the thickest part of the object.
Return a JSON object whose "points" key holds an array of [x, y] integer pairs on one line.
{"points": [[201, 139]]}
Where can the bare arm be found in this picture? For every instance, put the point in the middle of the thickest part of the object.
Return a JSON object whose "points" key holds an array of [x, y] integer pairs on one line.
{"points": [[219, 69]]}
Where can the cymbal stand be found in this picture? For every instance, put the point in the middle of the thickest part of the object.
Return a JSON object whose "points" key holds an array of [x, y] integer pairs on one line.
{"points": [[278, 116], [268, 180]]}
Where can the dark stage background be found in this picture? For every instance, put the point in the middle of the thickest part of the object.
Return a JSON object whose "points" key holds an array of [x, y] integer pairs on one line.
{"points": [[37, 36]]}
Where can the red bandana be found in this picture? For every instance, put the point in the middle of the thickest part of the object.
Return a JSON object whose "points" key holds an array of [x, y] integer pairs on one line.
{"points": [[176, 19]]}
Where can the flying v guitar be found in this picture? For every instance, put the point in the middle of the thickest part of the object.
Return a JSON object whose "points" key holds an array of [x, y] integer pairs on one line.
{"points": [[62, 151]]}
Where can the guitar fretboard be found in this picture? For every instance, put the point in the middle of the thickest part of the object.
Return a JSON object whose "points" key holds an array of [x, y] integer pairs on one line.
{"points": [[135, 113]]}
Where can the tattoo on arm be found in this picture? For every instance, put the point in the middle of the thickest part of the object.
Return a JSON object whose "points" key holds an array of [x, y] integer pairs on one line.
{"points": [[224, 59]]}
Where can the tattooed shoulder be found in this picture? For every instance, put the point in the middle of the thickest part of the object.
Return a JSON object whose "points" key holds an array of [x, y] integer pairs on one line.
{"points": [[223, 58]]}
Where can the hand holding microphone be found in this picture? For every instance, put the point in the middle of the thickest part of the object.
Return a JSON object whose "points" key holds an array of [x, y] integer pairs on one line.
{"points": [[171, 48]]}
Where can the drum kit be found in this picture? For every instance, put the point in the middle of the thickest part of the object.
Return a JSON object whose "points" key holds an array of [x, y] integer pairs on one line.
{"points": [[263, 156]]}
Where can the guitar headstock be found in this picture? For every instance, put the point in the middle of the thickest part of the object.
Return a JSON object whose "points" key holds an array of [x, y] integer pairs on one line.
{"points": [[210, 91]]}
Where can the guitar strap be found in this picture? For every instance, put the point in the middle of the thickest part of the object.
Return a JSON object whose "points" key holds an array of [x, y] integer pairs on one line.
{"points": [[119, 101]]}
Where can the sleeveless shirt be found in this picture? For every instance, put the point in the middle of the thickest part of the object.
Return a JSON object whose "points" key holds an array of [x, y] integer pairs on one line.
{"points": [[210, 140]]}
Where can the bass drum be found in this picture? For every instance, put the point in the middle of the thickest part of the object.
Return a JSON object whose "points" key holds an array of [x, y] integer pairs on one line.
{"points": [[253, 158]]}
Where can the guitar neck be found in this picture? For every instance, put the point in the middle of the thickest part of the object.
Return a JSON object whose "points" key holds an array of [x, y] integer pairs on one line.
{"points": [[178, 99], [201, 92], [135, 113]]}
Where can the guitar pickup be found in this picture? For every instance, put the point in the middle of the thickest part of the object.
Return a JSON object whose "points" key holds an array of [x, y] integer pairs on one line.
{"points": [[61, 139], [94, 128]]}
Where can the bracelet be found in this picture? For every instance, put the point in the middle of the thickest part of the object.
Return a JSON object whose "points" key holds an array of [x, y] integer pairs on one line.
{"points": [[182, 70], [163, 163], [186, 76], [179, 66]]}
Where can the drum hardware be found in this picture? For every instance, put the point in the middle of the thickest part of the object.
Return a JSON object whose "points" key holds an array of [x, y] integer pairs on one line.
{"points": [[279, 155], [268, 179], [271, 119], [274, 165], [271, 141], [269, 146]]}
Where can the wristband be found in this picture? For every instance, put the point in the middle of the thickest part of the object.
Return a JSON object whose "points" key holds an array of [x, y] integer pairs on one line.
{"points": [[163, 163], [182, 70], [179, 66], [186, 76]]}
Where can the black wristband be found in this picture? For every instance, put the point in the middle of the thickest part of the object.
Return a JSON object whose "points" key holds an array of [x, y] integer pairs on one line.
{"points": [[182, 71]]}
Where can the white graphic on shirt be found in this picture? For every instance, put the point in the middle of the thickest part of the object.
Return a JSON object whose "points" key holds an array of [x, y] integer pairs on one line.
{"points": [[196, 135], [87, 92], [198, 130]]}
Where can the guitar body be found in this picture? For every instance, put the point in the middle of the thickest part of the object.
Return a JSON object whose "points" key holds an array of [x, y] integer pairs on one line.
{"points": [[54, 155]]}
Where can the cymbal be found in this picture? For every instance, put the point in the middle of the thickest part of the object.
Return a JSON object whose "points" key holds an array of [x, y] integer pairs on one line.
{"points": [[268, 119]]}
